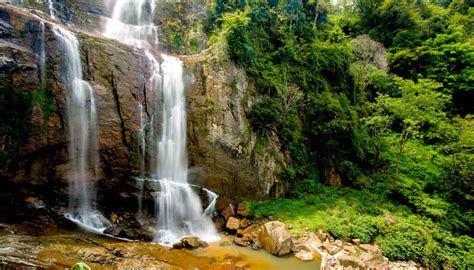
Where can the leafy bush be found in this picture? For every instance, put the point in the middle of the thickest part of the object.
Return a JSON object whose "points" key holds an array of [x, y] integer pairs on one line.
{"points": [[404, 241], [423, 241], [406, 39], [265, 115], [362, 228], [236, 31]]}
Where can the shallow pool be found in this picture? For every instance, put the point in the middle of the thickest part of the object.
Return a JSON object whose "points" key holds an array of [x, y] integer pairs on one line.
{"points": [[255, 259]]}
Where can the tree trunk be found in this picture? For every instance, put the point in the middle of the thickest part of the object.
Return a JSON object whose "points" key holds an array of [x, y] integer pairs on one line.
{"points": [[316, 15]]}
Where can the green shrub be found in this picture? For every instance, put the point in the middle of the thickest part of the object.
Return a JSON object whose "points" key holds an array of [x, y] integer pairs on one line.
{"points": [[265, 115], [421, 240], [236, 30], [404, 241], [173, 35], [361, 227]]}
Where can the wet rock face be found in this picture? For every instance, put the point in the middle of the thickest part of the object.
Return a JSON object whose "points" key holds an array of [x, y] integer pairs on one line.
{"points": [[221, 148], [116, 73]]}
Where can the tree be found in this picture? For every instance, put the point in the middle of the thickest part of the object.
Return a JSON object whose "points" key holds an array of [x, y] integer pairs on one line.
{"points": [[292, 10], [447, 58], [235, 28], [316, 11], [417, 113]]}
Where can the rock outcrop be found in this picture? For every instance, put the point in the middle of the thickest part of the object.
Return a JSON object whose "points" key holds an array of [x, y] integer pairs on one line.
{"points": [[222, 148], [190, 242], [304, 255], [275, 238]]}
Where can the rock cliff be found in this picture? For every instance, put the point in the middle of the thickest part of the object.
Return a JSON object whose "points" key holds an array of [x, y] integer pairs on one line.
{"points": [[222, 148]]}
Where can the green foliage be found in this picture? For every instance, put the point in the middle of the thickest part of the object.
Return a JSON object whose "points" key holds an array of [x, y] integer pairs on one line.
{"points": [[405, 241], [236, 31], [350, 25], [80, 266], [265, 115], [354, 227], [366, 9], [406, 39], [45, 101], [446, 59], [418, 112], [369, 81], [425, 242], [173, 35], [385, 18], [220, 50], [182, 38], [458, 163]]}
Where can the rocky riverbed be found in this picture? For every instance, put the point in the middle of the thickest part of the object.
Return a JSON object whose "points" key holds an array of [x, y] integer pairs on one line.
{"points": [[25, 247], [33, 246]]}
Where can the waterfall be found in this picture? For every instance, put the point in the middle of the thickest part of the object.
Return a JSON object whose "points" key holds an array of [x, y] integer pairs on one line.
{"points": [[142, 145], [178, 208], [82, 134], [41, 55], [132, 23], [51, 10]]}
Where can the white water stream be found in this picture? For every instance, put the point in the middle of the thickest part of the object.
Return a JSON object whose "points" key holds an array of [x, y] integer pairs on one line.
{"points": [[41, 55], [178, 208], [51, 9], [82, 128]]}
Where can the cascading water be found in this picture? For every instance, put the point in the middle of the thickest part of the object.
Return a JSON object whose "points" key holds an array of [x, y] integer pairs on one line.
{"points": [[142, 146], [178, 207], [82, 135], [132, 23], [51, 9], [41, 55]]}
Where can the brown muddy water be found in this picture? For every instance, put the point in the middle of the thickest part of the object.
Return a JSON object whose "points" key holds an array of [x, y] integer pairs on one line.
{"points": [[23, 247], [255, 259]]}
